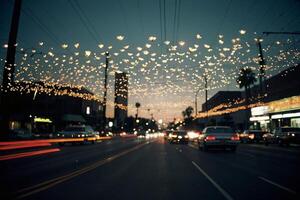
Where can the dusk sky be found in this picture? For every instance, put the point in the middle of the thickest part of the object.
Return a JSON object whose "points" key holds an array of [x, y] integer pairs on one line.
{"points": [[187, 38]]}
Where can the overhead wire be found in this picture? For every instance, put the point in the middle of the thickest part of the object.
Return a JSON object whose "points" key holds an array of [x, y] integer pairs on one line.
{"points": [[84, 20]]}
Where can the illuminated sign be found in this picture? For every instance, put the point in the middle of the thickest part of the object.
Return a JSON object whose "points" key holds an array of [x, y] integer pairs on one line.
{"points": [[287, 115], [43, 120], [261, 110], [260, 118]]}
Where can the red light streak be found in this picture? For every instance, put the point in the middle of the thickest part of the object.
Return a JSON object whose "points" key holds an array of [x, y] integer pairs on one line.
{"points": [[21, 146], [28, 154]]}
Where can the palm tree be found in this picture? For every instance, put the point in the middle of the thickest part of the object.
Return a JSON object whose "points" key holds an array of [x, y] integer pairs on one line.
{"points": [[246, 79], [137, 105], [187, 113]]}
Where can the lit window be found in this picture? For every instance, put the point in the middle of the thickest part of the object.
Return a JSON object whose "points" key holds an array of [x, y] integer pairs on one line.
{"points": [[88, 110]]}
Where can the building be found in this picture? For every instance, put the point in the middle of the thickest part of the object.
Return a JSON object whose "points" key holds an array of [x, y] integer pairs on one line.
{"points": [[121, 99], [42, 108], [279, 106], [220, 98]]}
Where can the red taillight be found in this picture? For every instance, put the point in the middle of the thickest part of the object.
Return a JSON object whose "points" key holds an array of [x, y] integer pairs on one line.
{"points": [[210, 138], [236, 138]]}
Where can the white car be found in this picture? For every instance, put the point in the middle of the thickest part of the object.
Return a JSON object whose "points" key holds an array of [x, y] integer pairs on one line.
{"points": [[218, 137]]}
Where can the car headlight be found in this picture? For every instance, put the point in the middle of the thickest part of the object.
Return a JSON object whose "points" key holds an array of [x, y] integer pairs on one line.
{"points": [[186, 136], [78, 135], [179, 136], [82, 135]]}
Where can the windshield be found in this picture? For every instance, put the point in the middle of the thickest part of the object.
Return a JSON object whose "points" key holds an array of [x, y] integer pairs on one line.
{"points": [[219, 130], [290, 129]]}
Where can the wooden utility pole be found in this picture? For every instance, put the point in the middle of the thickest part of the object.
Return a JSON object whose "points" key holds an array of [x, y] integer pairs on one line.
{"points": [[262, 64], [105, 89], [9, 68]]}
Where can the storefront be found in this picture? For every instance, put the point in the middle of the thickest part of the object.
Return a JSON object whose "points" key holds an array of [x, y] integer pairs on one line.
{"points": [[280, 113], [260, 118]]}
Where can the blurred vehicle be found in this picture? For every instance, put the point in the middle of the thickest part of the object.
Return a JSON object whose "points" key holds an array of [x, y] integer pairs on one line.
{"points": [[179, 137], [78, 131], [253, 136], [218, 137], [167, 134], [283, 136], [20, 134], [194, 134]]}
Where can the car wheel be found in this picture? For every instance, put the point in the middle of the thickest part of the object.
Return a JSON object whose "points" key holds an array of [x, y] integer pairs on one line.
{"points": [[280, 142], [266, 143]]}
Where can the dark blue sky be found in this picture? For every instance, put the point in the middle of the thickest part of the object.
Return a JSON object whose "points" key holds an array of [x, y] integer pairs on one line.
{"points": [[58, 22]]}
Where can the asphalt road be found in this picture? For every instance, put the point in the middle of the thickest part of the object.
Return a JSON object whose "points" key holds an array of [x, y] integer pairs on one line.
{"points": [[154, 169]]}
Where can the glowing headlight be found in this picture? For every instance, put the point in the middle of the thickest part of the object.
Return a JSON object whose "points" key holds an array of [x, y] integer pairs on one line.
{"points": [[179, 136], [293, 134], [186, 136], [82, 135]]}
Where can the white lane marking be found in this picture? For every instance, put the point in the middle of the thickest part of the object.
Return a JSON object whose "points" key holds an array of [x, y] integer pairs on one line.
{"points": [[276, 184], [223, 192]]}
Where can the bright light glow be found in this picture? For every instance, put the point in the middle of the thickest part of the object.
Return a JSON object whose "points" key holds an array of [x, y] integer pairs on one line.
{"points": [[287, 115], [181, 43], [110, 124], [198, 36], [42, 120], [88, 110], [120, 37], [242, 32], [260, 118]]}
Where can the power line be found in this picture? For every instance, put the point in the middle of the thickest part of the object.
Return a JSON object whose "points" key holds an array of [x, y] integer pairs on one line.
{"points": [[178, 19], [84, 19], [42, 26], [165, 21], [175, 20]]}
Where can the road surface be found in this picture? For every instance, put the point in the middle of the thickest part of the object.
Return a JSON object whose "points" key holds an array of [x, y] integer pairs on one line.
{"points": [[154, 169]]}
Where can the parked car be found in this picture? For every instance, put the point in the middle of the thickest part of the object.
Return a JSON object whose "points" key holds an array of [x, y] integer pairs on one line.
{"points": [[19, 134], [218, 137], [78, 131], [180, 136], [253, 136], [283, 136]]}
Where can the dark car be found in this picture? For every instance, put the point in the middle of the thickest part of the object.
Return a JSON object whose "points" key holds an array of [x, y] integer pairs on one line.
{"points": [[252, 136], [179, 137], [218, 137], [283, 136]]}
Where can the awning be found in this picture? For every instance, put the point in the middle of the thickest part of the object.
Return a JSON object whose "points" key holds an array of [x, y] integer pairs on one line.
{"points": [[73, 118]]}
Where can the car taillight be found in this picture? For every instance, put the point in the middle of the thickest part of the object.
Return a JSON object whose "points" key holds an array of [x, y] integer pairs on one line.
{"points": [[236, 137], [210, 138]]}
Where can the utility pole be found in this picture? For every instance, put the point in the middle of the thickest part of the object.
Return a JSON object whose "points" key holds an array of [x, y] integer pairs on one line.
{"points": [[9, 67], [206, 108], [262, 64], [196, 102], [105, 89]]}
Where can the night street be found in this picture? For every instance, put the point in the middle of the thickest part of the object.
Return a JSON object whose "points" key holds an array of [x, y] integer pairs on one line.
{"points": [[139, 99], [155, 169]]}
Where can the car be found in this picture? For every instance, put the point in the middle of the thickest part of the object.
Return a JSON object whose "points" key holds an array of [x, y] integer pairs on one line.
{"points": [[283, 136], [180, 137], [78, 131], [252, 136], [218, 137]]}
